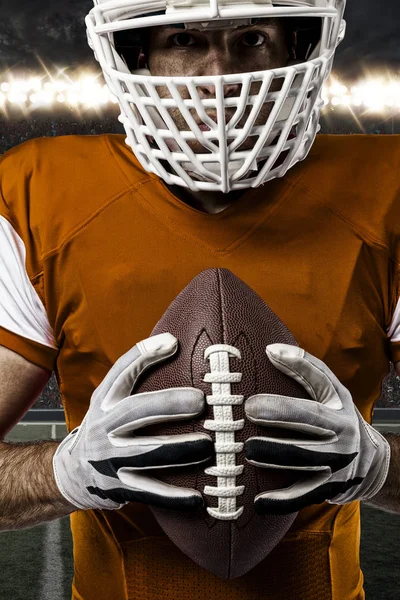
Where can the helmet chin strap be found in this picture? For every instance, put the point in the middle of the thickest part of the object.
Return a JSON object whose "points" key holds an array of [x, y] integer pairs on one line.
{"points": [[214, 167]]}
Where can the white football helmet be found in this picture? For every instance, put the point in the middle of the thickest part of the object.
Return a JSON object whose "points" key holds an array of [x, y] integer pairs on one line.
{"points": [[224, 165]]}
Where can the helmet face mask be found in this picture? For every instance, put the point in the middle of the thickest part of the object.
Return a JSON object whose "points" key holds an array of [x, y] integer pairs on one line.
{"points": [[218, 142]]}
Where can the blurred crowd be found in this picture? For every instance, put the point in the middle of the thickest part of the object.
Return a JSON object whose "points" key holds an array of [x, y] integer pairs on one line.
{"points": [[14, 132]]}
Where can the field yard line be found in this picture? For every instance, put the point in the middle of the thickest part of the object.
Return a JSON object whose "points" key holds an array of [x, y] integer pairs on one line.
{"points": [[53, 569]]}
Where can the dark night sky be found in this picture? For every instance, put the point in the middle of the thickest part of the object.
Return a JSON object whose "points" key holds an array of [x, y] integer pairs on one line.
{"points": [[54, 32]]}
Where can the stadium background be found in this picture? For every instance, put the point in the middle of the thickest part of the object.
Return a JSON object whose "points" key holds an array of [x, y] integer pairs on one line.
{"points": [[40, 96]]}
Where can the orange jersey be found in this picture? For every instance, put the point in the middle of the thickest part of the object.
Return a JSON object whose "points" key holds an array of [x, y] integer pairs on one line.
{"points": [[94, 249]]}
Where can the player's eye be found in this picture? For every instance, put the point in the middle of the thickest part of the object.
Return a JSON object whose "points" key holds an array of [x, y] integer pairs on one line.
{"points": [[253, 38], [183, 40]]}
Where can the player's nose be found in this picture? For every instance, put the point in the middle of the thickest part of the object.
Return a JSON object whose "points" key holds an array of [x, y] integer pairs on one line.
{"points": [[219, 62], [230, 90]]}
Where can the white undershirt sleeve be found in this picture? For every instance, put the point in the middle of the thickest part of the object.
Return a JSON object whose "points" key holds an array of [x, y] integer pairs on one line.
{"points": [[21, 310], [393, 332]]}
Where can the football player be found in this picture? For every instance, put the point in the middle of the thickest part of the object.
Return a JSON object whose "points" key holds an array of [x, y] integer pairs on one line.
{"points": [[221, 166]]}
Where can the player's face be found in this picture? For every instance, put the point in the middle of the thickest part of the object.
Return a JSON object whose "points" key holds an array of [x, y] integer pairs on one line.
{"points": [[178, 52]]}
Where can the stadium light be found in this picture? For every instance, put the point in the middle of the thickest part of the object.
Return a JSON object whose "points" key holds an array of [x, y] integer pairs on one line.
{"points": [[16, 97], [35, 84], [72, 99]]}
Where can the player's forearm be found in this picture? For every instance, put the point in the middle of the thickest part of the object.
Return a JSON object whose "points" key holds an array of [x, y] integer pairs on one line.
{"points": [[28, 492], [388, 498]]}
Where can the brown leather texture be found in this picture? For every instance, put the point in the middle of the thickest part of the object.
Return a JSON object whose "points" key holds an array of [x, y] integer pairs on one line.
{"points": [[216, 307]]}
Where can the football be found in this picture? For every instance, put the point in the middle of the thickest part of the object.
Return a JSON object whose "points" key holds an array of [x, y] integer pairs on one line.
{"points": [[222, 327]]}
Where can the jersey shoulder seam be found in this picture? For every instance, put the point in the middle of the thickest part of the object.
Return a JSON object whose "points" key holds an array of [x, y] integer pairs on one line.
{"points": [[130, 187], [147, 177], [364, 234], [80, 226]]}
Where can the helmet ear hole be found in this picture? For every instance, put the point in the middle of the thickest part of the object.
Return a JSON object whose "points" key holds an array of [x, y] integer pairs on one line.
{"points": [[129, 44], [303, 35], [142, 61]]}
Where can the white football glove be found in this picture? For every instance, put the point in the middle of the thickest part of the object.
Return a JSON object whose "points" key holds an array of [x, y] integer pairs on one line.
{"points": [[104, 464], [347, 460]]}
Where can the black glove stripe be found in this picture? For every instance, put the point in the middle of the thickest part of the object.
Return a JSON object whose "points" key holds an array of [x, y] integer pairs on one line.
{"points": [[121, 495], [265, 506], [168, 455], [275, 453]]}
